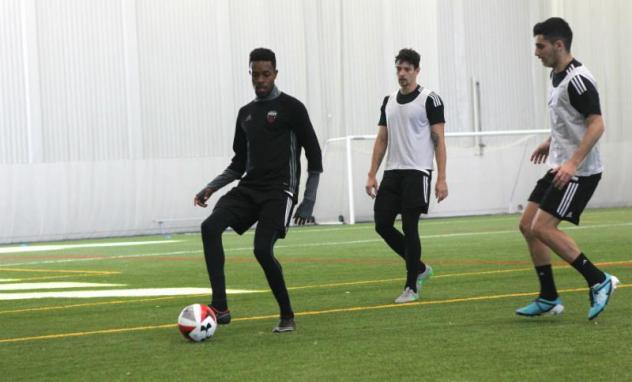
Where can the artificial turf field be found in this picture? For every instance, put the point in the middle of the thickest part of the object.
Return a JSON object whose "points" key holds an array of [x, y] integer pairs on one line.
{"points": [[342, 281]]}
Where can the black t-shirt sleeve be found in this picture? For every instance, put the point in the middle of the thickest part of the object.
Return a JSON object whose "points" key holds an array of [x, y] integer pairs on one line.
{"points": [[240, 147], [307, 138], [382, 121], [434, 109], [584, 96]]}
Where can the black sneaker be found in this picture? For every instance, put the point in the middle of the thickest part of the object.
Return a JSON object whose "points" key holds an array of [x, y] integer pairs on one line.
{"points": [[285, 325], [222, 317]]}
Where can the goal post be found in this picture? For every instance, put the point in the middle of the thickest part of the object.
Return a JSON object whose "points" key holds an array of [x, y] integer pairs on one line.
{"points": [[488, 173]]}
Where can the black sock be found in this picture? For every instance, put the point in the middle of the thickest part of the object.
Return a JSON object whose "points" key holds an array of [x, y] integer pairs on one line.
{"points": [[547, 284], [591, 273]]}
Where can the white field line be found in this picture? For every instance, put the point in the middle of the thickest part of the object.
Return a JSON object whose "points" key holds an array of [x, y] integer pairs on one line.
{"points": [[424, 222], [308, 245], [59, 247], [54, 285], [145, 292]]}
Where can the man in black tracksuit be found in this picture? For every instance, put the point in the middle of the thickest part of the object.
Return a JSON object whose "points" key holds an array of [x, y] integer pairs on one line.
{"points": [[270, 133]]}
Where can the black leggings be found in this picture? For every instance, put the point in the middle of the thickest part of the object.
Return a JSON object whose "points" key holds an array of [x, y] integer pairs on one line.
{"points": [[406, 245], [212, 229]]}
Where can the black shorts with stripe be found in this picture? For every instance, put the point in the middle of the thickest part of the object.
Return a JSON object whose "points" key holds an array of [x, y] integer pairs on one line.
{"points": [[245, 206], [567, 203], [404, 190]]}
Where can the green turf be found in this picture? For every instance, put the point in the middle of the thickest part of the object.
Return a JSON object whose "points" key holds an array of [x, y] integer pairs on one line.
{"points": [[451, 335]]}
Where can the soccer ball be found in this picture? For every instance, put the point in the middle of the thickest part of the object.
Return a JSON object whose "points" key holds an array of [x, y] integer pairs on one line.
{"points": [[197, 322]]}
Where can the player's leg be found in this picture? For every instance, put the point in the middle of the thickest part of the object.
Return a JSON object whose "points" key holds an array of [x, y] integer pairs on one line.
{"points": [[234, 210], [274, 218], [415, 201], [212, 229], [545, 230], [410, 226], [568, 204], [540, 253], [415, 187], [385, 227], [601, 284], [387, 206], [548, 300], [265, 237]]}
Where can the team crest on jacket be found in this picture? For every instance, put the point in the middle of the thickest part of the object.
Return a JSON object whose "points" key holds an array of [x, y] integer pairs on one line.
{"points": [[272, 114]]}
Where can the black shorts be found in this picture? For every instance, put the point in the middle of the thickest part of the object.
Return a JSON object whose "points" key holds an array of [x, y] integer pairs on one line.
{"points": [[245, 206], [567, 203], [404, 190]]}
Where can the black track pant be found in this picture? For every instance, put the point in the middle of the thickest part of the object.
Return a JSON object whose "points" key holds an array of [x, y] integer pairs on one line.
{"points": [[212, 230], [406, 245]]}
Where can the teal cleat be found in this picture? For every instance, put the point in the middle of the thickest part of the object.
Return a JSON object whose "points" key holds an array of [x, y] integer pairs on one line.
{"points": [[600, 295], [541, 306], [424, 277]]}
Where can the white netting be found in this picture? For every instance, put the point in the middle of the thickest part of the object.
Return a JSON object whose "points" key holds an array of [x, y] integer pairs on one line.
{"points": [[495, 178]]}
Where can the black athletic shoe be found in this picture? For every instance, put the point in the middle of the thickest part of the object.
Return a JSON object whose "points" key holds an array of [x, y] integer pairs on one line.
{"points": [[223, 317], [285, 325]]}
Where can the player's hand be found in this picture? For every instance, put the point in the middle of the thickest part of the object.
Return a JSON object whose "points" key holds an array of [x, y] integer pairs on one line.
{"points": [[371, 186], [563, 174], [304, 212], [441, 190], [541, 153], [202, 196]]}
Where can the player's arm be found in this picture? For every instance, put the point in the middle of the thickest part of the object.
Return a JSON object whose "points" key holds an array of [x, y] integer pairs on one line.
{"points": [[585, 99], [436, 118], [541, 152], [307, 139], [437, 133], [233, 172], [379, 149]]}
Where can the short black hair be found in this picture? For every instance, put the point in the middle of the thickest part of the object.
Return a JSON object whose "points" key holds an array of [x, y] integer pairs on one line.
{"points": [[553, 29], [409, 56], [263, 54]]}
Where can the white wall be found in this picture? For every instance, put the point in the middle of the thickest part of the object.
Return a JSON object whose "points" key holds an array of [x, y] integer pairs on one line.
{"points": [[113, 113]]}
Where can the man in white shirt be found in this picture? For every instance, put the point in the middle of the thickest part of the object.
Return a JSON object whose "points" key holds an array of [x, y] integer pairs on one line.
{"points": [[575, 170], [411, 127]]}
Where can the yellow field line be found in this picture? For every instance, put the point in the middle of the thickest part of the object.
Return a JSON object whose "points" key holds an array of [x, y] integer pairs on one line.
{"points": [[364, 282], [352, 283], [57, 271], [82, 334], [478, 273], [300, 314]]}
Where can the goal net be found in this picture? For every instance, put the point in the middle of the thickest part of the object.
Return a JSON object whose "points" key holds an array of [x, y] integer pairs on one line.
{"points": [[488, 173]]}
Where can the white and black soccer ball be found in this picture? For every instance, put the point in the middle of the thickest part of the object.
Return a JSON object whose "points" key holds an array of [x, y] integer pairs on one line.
{"points": [[197, 322]]}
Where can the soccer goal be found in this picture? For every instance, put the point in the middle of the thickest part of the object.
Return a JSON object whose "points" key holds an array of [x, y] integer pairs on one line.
{"points": [[488, 173]]}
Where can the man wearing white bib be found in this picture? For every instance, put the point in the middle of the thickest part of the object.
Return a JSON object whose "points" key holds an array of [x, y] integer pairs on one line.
{"points": [[575, 170], [411, 127]]}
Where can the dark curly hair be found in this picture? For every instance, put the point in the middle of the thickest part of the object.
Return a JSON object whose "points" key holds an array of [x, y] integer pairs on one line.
{"points": [[263, 54], [409, 56]]}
